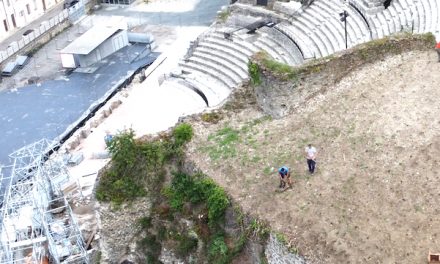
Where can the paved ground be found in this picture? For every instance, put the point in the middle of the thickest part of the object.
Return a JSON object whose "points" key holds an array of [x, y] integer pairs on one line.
{"points": [[167, 12], [48, 109], [17, 35], [45, 65]]}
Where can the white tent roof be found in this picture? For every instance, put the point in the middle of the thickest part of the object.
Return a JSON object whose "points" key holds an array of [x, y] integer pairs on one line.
{"points": [[90, 40]]}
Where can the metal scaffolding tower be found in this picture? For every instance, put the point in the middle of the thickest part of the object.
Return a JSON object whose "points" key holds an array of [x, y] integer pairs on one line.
{"points": [[37, 224]]}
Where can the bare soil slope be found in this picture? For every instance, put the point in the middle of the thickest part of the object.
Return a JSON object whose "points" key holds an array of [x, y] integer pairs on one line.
{"points": [[375, 196]]}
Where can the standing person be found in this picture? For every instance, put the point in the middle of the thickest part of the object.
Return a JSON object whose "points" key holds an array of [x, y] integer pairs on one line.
{"points": [[311, 157], [437, 48], [284, 173], [108, 138]]}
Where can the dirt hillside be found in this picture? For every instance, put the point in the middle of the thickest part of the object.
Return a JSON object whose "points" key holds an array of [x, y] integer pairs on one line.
{"points": [[374, 197]]}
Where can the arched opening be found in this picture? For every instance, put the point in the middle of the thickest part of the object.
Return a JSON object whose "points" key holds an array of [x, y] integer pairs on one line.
{"points": [[387, 3]]}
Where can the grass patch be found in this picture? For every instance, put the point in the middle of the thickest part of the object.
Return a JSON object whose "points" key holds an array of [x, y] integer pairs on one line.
{"points": [[212, 118], [223, 145], [283, 71], [259, 229]]}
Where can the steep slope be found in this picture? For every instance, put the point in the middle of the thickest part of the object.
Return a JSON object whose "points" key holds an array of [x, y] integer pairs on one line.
{"points": [[377, 130]]}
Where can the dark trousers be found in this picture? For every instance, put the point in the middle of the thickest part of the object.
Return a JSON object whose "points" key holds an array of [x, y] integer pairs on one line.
{"points": [[311, 163]]}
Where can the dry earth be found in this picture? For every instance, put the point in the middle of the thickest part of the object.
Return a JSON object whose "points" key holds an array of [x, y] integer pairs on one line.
{"points": [[374, 197]]}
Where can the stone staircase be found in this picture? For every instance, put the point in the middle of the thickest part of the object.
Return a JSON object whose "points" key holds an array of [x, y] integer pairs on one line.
{"points": [[319, 32], [217, 64], [417, 16]]}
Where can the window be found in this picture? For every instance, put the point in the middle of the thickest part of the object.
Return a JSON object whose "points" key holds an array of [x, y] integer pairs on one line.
{"points": [[35, 4], [8, 3], [5, 24], [21, 13], [28, 9], [13, 20]]}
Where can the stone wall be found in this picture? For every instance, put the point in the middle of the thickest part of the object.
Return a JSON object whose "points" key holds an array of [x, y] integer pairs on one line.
{"points": [[270, 3], [119, 229], [369, 7], [277, 253], [315, 75]]}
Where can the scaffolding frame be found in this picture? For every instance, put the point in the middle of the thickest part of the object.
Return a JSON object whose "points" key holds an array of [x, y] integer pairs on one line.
{"points": [[37, 223]]}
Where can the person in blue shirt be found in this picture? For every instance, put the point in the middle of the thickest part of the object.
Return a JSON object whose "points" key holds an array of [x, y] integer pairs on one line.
{"points": [[284, 173], [108, 138]]}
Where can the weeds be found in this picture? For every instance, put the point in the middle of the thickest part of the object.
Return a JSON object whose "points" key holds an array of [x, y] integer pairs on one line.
{"points": [[284, 71], [258, 228], [136, 165], [151, 247], [145, 222], [212, 118], [281, 238], [197, 189], [223, 15], [218, 250], [186, 244], [254, 72], [224, 144]]}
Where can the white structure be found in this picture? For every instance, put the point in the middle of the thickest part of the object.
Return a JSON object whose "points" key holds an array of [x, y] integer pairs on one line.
{"points": [[94, 45], [16, 14], [36, 224]]}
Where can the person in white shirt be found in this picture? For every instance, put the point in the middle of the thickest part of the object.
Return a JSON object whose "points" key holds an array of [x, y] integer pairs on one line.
{"points": [[311, 157]]}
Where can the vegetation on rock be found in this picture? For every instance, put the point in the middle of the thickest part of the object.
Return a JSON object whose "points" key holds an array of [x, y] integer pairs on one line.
{"points": [[138, 166]]}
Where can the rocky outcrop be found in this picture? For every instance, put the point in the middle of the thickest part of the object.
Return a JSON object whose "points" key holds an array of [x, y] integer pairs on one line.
{"points": [[118, 230], [277, 253], [279, 93]]}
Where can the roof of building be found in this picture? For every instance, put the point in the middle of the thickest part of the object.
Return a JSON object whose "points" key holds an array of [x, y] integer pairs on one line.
{"points": [[90, 40]]}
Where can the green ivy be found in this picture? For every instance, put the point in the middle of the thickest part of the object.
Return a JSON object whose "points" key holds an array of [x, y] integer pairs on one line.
{"points": [[183, 133], [254, 72], [196, 189]]}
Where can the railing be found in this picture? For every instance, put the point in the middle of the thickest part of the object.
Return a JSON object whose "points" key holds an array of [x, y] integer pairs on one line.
{"points": [[46, 26]]}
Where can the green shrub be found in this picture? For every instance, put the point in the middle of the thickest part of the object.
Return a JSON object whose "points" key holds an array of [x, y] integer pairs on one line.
{"points": [[186, 245], [119, 183], [123, 150], [136, 166], [218, 250], [175, 199], [112, 187], [183, 133], [145, 222], [217, 204], [196, 189], [151, 247], [254, 72]]}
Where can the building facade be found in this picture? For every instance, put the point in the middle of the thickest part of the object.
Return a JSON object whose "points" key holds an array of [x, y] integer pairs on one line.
{"points": [[15, 14]]}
